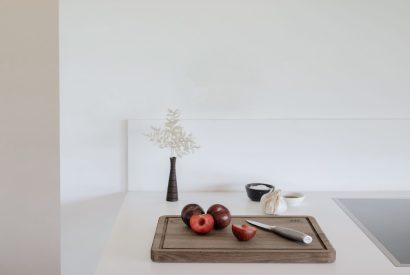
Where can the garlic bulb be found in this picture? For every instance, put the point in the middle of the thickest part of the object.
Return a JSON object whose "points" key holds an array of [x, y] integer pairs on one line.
{"points": [[272, 203]]}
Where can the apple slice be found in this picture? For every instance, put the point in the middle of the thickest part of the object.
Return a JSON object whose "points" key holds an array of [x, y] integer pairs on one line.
{"points": [[243, 232], [201, 224]]}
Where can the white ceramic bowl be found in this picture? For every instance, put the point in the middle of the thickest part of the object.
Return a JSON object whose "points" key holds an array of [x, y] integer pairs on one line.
{"points": [[293, 198]]}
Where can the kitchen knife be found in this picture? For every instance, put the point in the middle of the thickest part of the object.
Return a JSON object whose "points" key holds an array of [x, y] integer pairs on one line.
{"points": [[284, 232]]}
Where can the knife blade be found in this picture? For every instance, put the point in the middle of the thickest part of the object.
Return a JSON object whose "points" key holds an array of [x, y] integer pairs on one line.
{"points": [[288, 233]]}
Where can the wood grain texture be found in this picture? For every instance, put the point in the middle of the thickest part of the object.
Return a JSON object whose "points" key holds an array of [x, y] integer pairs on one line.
{"points": [[175, 242]]}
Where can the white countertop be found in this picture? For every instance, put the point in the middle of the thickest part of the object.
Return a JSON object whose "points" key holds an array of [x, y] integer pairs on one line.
{"points": [[128, 249]]}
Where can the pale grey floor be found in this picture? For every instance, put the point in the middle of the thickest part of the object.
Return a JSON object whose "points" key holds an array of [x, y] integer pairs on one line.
{"points": [[386, 222], [85, 228]]}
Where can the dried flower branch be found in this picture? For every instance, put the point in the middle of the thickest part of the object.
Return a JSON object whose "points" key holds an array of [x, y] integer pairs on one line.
{"points": [[173, 136]]}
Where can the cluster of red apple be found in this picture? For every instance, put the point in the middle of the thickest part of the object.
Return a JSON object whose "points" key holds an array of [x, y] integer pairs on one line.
{"points": [[217, 217]]}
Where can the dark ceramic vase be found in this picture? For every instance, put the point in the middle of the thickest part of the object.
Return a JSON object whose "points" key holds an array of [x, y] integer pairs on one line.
{"points": [[172, 193]]}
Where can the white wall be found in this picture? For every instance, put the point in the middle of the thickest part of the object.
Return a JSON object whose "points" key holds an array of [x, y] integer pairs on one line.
{"points": [[220, 59], [29, 138], [307, 154]]}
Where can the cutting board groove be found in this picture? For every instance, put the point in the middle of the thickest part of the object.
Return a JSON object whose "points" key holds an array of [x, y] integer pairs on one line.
{"points": [[175, 242]]}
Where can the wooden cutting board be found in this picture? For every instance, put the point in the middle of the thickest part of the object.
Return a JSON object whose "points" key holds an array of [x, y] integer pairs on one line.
{"points": [[175, 242]]}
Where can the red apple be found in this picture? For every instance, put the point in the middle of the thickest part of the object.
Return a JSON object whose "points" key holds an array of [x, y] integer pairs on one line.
{"points": [[189, 210], [243, 232], [201, 224], [221, 215]]}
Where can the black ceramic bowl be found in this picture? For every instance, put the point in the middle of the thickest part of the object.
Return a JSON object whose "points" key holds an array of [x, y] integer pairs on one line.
{"points": [[255, 194]]}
